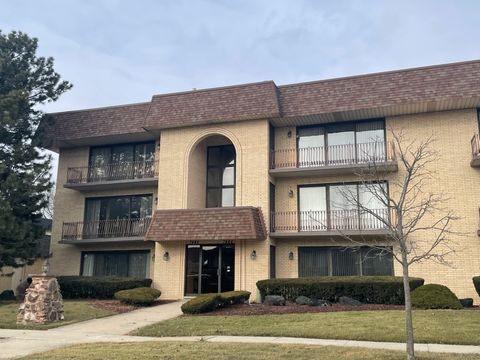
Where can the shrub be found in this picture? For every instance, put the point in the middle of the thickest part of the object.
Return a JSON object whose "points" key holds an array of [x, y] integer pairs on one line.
{"points": [[138, 296], [236, 297], [74, 287], [203, 303], [367, 289], [434, 296], [7, 295], [476, 283]]}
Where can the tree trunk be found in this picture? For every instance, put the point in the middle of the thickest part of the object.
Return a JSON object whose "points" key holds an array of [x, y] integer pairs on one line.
{"points": [[408, 309]]}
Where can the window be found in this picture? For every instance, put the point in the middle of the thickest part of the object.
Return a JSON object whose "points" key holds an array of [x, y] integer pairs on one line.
{"points": [[122, 161], [115, 263], [343, 143], [220, 176], [323, 207], [129, 211], [344, 261]]}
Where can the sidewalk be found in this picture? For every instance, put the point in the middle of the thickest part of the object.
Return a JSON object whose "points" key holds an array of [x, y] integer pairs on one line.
{"points": [[18, 343]]}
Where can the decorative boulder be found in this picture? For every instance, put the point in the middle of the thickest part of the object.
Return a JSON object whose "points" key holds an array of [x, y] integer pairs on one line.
{"points": [[275, 300], [467, 302], [322, 302], [303, 300], [7, 295], [345, 300]]}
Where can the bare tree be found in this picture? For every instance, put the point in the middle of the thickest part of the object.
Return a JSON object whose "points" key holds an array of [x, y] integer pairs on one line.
{"points": [[410, 210]]}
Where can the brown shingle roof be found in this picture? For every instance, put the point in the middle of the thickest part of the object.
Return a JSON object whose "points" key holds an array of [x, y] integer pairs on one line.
{"points": [[236, 223], [113, 120], [436, 88], [231, 103], [433, 83]]}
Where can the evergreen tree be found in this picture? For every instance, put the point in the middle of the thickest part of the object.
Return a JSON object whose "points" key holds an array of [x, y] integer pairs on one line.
{"points": [[27, 81]]}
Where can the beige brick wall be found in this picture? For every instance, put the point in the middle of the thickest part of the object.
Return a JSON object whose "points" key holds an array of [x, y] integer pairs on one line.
{"points": [[69, 206], [184, 187], [452, 131]]}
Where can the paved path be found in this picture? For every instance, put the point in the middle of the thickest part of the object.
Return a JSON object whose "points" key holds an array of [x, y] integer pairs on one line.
{"points": [[18, 343]]}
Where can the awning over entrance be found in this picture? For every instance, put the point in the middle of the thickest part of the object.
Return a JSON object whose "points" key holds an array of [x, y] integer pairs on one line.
{"points": [[233, 223]]}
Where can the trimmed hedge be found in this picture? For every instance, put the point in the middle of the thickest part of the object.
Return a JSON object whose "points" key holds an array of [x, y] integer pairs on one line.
{"points": [[210, 302], [476, 283], [435, 296], [367, 289], [203, 303], [80, 287], [138, 296]]}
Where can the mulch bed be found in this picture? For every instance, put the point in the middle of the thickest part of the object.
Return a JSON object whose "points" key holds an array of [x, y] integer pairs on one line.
{"points": [[119, 307], [292, 308]]}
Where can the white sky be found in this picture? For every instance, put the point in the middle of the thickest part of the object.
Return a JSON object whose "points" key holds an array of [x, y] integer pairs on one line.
{"points": [[117, 52]]}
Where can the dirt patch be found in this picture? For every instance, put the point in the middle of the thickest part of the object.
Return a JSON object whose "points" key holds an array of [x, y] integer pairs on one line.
{"points": [[119, 307], [292, 308]]}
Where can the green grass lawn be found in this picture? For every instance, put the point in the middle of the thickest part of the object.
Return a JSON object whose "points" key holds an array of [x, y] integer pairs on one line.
{"points": [[75, 311], [213, 351], [432, 326]]}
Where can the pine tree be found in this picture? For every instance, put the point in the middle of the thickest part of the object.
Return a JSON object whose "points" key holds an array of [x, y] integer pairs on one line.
{"points": [[27, 81]]}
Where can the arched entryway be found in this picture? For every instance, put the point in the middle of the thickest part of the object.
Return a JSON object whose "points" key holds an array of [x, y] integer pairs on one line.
{"points": [[212, 172]]}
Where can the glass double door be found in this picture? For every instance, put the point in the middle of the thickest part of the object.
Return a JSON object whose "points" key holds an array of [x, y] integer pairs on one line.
{"points": [[209, 269]]}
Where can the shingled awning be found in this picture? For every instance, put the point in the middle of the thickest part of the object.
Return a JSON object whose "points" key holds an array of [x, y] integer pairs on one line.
{"points": [[235, 223]]}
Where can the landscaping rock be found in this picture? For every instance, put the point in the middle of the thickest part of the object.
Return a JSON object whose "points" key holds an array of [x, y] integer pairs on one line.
{"points": [[322, 302], [345, 300], [275, 300], [304, 300], [7, 295], [468, 302]]}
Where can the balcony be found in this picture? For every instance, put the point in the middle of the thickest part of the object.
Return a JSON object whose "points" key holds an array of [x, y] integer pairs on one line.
{"points": [[118, 176], [333, 159], [331, 223], [475, 143], [118, 230]]}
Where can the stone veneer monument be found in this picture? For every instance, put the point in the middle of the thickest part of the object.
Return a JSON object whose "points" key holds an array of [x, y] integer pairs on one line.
{"points": [[43, 302]]}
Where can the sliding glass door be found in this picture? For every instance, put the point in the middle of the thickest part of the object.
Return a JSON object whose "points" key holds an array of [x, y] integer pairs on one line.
{"points": [[123, 161], [342, 207], [341, 144], [117, 216]]}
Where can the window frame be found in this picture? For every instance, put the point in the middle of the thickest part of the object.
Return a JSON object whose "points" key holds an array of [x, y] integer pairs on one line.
{"points": [[360, 258], [221, 187], [128, 252], [111, 146], [327, 196], [326, 127], [116, 197]]}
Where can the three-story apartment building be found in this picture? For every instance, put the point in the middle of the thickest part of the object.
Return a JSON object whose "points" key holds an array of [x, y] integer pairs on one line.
{"points": [[212, 190]]}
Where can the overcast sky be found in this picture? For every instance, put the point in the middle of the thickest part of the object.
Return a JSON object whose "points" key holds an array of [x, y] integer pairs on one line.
{"points": [[117, 52]]}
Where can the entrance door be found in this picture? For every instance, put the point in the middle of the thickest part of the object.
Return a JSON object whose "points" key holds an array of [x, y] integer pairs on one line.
{"points": [[209, 269]]}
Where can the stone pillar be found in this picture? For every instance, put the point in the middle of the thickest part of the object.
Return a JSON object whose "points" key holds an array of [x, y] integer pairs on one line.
{"points": [[43, 302]]}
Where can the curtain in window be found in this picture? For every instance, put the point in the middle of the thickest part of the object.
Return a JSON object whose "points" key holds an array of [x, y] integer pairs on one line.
{"points": [[371, 141], [313, 261], [137, 264], [88, 262], [99, 164], [376, 211], [341, 261], [313, 208], [343, 207], [311, 146], [91, 227]]}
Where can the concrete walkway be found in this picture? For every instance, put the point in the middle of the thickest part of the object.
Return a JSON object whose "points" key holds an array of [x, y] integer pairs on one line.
{"points": [[18, 343]]}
